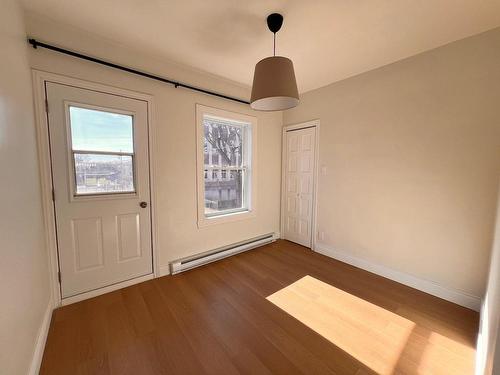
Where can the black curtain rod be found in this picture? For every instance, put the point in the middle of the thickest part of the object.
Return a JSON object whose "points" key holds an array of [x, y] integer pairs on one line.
{"points": [[35, 43]]}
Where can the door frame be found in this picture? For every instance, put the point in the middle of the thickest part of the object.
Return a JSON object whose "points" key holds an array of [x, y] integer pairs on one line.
{"points": [[45, 166], [308, 124]]}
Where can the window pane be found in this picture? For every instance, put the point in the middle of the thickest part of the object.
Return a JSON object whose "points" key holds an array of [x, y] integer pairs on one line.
{"points": [[223, 190], [96, 174], [93, 130], [223, 145]]}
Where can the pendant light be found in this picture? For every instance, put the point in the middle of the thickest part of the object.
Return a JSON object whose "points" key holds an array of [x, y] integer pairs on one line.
{"points": [[274, 86]]}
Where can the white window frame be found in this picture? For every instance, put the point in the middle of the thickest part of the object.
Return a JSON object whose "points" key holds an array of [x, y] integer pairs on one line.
{"points": [[250, 185]]}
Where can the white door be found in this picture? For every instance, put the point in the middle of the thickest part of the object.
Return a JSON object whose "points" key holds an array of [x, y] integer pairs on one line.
{"points": [[299, 184], [100, 171]]}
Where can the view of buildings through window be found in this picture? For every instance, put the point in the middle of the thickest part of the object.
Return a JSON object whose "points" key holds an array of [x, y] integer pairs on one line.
{"points": [[225, 165], [97, 174]]}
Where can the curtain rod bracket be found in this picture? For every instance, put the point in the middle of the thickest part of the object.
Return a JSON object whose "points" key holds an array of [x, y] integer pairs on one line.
{"points": [[33, 43]]}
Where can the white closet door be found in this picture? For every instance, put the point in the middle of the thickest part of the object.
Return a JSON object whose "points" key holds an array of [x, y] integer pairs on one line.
{"points": [[299, 185]]}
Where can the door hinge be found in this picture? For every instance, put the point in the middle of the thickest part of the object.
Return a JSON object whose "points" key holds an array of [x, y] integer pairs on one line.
{"points": [[59, 276], [53, 195], [46, 105]]}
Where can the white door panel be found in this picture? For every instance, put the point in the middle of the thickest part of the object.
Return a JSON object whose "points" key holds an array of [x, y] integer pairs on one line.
{"points": [[87, 241], [307, 142], [99, 152], [299, 180], [128, 228]]}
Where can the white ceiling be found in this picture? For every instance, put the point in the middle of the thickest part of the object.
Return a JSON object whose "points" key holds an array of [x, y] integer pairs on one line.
{"points": [[328, 40]]}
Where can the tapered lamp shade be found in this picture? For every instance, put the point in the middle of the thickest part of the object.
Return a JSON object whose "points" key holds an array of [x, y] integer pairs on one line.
{"points": [[274, 85]]}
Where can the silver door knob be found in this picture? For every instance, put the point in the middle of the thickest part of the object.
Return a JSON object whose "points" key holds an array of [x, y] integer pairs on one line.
{"points": [[143, 204]]}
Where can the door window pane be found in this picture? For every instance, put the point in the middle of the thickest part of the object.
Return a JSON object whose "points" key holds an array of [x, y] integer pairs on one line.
{"points": [[98, 173], [103, 151], [93, 130]]}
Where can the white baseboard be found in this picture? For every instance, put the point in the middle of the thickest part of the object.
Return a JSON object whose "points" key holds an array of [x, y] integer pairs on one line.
{"points": [[164, 270], [456, 296], [106, 289], [41, 339]]}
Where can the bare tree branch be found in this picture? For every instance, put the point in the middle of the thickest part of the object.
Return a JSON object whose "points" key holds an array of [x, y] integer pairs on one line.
{"points": [[225, 139]]}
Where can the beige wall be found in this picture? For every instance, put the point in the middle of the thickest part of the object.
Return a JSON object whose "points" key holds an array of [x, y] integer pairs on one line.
{"points": [[175, 153], [412, 158], [24, 289]]}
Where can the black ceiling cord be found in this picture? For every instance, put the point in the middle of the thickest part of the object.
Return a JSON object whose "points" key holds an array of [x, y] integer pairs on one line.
{"points": [[35, 43], [274, 45]]}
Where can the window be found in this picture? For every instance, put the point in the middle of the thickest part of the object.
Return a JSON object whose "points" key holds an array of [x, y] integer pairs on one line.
{"points": [[225, 158], [102, 147]]}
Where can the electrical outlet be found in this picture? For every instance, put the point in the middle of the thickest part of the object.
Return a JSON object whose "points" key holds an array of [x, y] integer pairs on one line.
{"points": [[321, 235]]}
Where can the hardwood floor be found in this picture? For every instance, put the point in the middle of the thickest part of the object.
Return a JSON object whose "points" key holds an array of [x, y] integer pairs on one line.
{"points": [[217, 320]]}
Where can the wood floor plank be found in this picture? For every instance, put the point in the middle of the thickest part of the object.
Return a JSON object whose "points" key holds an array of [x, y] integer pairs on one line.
{"points": [[258, 310], [211, 354], [175, 353], [267, 343], [225, 318], [237, 336]]}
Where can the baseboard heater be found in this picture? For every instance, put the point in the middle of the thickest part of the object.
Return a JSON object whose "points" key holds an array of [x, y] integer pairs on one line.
{"points": [[188, 263]]}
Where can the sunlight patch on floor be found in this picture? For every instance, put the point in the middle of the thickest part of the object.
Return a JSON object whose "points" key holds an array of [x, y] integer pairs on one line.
{"points": [[441, 355], [369, 333], [382, 340]]}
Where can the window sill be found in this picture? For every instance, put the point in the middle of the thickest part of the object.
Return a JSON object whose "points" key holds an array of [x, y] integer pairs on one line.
{"points": [[204, 221]]}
